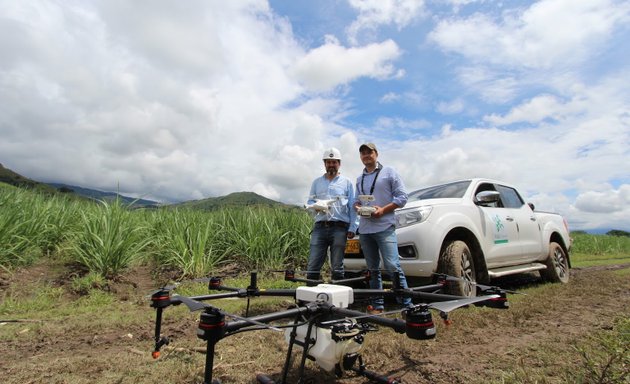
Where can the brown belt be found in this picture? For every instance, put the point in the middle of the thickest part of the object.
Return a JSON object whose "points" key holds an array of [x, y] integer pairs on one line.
{"points": [[328, 224]]}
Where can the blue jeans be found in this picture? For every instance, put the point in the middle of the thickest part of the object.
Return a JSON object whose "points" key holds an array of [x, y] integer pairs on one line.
{"points": [[387, 243], [323, 238]]}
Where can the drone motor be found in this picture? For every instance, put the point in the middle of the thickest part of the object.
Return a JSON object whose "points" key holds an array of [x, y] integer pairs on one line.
{"points": [[420, 324]]}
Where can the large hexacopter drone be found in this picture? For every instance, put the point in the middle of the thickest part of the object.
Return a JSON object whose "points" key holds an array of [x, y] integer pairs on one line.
{"points": [[328, 331]]}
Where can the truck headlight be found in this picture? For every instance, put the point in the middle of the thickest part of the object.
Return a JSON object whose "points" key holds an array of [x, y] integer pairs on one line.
{"points": [[412, 216]]}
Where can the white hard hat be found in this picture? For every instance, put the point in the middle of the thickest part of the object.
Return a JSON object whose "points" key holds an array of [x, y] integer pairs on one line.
{"points": [[331, 154]]}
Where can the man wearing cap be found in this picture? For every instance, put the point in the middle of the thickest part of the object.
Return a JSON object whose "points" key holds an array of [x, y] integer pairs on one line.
{"points": [[335, 217], [386, 192]]}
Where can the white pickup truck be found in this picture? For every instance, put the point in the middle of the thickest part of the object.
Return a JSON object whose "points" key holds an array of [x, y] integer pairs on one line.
{"points": [[475, 229]]}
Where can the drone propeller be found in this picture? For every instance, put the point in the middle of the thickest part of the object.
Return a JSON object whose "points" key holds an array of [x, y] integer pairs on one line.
{"points": [[291, 270], [448, 306], [170, 287], [442, 306], [164, 289], [481, 286], [195, 305]]}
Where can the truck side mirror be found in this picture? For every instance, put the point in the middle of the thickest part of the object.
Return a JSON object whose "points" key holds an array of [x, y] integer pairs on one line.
{"points": [[487, 197]]}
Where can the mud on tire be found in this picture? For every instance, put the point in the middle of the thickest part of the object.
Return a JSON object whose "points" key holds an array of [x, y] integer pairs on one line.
{"points": [[557, 265], [457, 260]]}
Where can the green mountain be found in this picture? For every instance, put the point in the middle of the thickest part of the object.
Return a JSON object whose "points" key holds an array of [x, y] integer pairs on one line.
{"points": [[104, 196], [232, 200], [237, 199], [12, 178]]}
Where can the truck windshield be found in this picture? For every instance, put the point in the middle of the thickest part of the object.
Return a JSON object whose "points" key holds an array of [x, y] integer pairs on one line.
{"points": [[451, 190]]}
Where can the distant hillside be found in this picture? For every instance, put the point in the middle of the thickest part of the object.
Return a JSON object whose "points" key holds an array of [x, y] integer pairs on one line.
{"points": [[237, 199], [101, 195], [233, 199], [15, 179]]}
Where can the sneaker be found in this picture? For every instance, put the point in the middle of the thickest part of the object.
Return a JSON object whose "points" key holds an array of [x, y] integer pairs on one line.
{"points": [[374, 311]]}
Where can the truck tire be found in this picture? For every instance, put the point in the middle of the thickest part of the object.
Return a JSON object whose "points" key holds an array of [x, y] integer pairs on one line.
{"points": [[457, 261], [557, 263]]}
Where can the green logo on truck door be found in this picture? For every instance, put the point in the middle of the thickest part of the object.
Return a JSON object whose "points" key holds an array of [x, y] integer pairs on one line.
{"points": [[500, 234]]}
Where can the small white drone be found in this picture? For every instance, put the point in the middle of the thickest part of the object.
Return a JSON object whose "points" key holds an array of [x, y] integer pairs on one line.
{"points": [[322, 205], [365, 209]]}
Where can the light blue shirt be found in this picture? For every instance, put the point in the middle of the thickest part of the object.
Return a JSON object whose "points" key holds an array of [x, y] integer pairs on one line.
{"points": [[389, 188], [340, 188]]}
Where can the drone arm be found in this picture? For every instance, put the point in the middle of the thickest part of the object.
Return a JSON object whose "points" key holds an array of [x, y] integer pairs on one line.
{"points": [[225, 295], [269, 317], [427, 296], [348, 280], [428, 288], [396, 324]]}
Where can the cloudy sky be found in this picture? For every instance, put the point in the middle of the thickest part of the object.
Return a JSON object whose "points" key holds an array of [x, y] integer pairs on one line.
{"points": [[179, 100]]}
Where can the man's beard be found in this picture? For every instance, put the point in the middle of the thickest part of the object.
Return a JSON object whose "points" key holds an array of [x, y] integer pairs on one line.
{"points": [[331, 171]]}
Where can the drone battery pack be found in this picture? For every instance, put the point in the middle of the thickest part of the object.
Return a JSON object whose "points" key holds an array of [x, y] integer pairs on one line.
{"points": [[338, 295]]}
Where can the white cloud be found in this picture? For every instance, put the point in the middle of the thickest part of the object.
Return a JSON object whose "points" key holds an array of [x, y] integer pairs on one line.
{"points": [[451, 107], [533, 111], [167, 103], [390, 97], [543, 35], [493, 87], [331, 65], [375, 13], [606, 201]]}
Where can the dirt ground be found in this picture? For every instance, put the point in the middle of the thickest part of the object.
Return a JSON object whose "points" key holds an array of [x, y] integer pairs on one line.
{"points": [[532, 342]]}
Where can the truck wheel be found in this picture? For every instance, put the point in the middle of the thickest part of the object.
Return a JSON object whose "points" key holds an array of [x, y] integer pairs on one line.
{"points": [[557, 265], [458, 262]]}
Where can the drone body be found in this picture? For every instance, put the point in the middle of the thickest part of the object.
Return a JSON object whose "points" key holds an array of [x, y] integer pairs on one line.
{"points": [[328, 331]]}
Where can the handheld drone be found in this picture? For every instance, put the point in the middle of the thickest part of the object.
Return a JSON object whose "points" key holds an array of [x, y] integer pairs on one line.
{"points": [[327, 330], [322, 206], [365, 209]]}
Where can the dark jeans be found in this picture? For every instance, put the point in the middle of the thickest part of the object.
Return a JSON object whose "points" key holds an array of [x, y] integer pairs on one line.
{"points": [[387, 243], [329, 235]]}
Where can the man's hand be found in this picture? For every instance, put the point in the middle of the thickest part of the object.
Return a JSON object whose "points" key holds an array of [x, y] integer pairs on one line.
{"points": [[350, 235], [380, 211]]}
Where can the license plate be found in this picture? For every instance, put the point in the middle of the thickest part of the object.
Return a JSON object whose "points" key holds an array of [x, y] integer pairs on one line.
{"points": [[353, 246]]}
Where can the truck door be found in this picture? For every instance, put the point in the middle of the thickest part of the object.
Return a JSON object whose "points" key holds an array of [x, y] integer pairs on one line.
{"points": [[529, 232], [501, 245]]}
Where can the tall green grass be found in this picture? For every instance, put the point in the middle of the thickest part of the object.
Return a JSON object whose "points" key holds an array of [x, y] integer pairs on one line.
{"points": [[263, 238], [584, 243], [32, 224], [190, 241], [107, 238], [111, 239], [589, 250]]}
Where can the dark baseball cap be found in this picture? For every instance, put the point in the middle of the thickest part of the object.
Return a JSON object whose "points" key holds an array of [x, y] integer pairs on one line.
{"points": [[370, 146]]}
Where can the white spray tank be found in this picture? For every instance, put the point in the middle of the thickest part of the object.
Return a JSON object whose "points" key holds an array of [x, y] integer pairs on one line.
{"points": [[331, 344]]}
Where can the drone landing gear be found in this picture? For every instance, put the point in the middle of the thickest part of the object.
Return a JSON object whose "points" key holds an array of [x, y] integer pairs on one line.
{"points": [[361, 371], [349, 362], [211, 329], [312, 336]]}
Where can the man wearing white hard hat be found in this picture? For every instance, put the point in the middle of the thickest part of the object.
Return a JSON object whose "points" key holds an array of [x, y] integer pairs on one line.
{"points": [[332, 198]]}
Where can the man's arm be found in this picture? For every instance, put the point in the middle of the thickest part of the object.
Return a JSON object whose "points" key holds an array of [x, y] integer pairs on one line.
{"points": [[313, 193], [354, 219], [399, 193]]}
